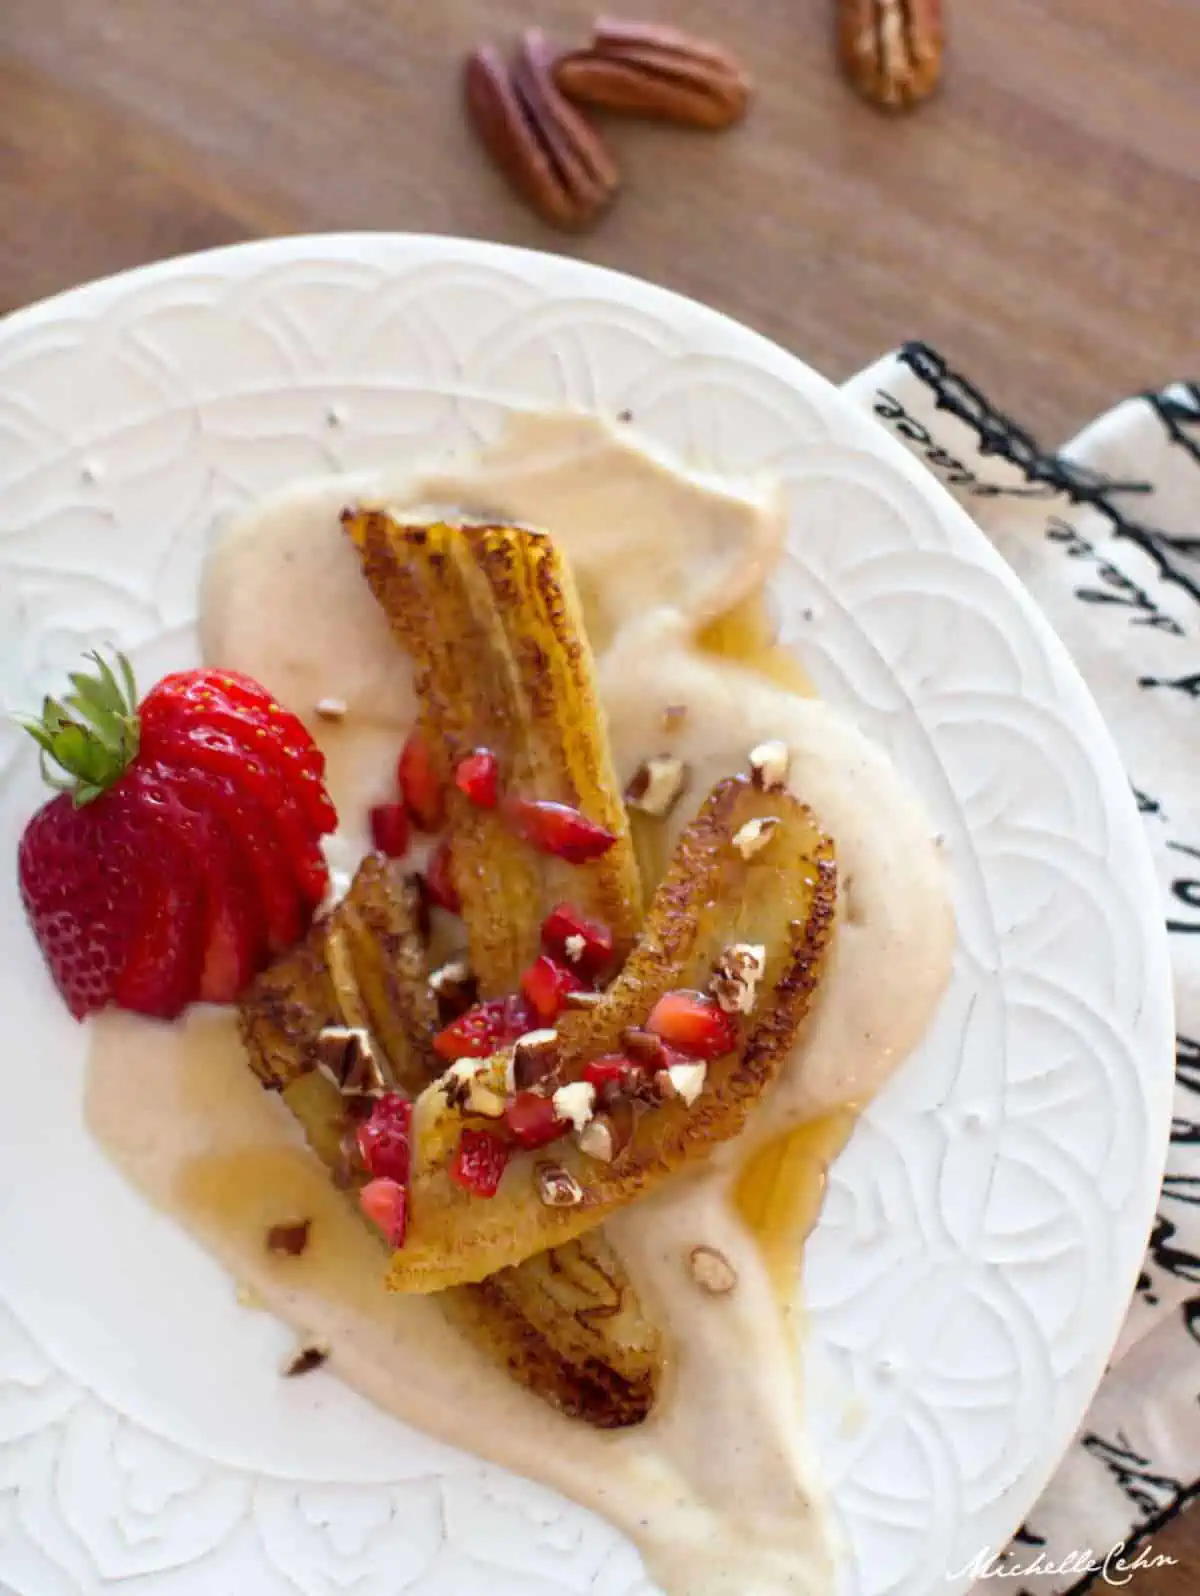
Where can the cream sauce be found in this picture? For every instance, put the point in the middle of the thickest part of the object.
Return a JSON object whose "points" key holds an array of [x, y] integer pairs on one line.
{"points": [[716, 1487]]}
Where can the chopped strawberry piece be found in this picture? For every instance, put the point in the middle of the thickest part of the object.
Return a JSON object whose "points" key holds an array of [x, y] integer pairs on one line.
{"points": [[584, 945], [546, 984], [557, 829], [478, 775], [385, 1203], [612, 1068], [479, 1161], [439, 880], [389, 829], [531, 1120], [420, 786], [485, 1029], [694, 1023], [385, 1139]]}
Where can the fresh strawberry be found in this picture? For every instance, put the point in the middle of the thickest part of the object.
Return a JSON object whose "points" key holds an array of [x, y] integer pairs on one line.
{"points": [[264, 864], [233, 938], [694, 1023], [76, 867], [385, 1139], [584, 945], [439, 880], [479, 1161], [531, 1120], [227, 701], [478, 776], [389, 829], [420, 785], [485, 1029], [546, 984], [385, 1203], [557, 829], [164, 970], [217, 751], [174, 859]]}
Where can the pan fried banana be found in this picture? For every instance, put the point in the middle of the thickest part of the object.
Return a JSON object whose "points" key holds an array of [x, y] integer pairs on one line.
{"points": [[568, 1324], [363, 965], [720, 890], [492, 621]]}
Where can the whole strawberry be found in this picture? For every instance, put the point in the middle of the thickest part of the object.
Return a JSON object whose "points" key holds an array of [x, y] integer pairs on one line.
{"points": [[184, 846]]}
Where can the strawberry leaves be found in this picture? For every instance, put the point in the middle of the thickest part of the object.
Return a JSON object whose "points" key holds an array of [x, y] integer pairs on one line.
{"points": [[92, 735]]}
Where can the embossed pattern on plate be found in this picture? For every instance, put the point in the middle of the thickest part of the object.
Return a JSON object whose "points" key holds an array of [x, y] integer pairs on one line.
{"points": [[984, 1228]]}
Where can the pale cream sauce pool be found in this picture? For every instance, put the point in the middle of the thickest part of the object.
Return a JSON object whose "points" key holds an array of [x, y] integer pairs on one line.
{"points": [[716, 1488]]}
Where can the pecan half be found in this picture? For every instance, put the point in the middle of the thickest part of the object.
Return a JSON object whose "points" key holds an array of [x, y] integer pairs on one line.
{"points": [[646, 69], [891, 50], [549, 153]]}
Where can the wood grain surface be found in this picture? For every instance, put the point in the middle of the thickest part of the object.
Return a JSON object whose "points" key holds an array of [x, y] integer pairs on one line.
{"points": [[1039, 223]]}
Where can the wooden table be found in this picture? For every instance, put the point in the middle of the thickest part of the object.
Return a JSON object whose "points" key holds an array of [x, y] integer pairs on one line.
{"points": [[1040, 223]]}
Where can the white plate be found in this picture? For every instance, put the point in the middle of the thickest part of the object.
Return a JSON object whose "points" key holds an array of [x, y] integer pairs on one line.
{"points": [[983, 1231]]}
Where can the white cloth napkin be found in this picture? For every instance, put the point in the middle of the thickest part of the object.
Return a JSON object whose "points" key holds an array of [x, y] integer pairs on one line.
{"points": [[1106, 537]]}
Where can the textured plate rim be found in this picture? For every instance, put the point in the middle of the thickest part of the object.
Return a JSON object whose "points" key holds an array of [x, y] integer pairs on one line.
{"points": [[761, 351]]}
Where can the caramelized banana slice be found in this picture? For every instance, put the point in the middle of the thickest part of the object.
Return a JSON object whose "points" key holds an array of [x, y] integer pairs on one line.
{"points": [[492, 620], [568, 1325], [752, 868], [362, 966]]}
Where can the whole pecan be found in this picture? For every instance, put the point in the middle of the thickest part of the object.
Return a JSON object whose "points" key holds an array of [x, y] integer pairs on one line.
{"points": [[549, 153], [891, 50], [647, 69]]}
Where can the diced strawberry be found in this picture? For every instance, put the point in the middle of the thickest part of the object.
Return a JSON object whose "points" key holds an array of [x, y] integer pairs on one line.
{"points": [[612, 1068], [557, 829], [584, 945], [389, 829], [420, 786], [439, 881], [479, 1161], [546, 984], [385, 1203], [694, 1023], [531, 1120], [385, 1139], [478, 775], [485, 1029]]}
